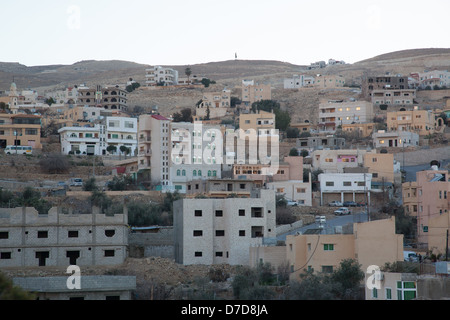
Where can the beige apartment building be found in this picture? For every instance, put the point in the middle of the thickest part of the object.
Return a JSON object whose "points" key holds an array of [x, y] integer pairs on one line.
{"points": [[216, 231], [154, 149], [216, 104], [329, 81], [262, 122], [428, 199], [334, 161], [382, 82], [363, 130], [381, 166], [334, 113], [421, 122], [20, 130], [397, 97], [371, 243], [253, 92], [109, 98]]}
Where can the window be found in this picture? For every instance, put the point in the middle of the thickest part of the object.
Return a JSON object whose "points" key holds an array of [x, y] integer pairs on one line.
{"points": [[327, 269], [42, 234], [257, 212], [198, 254], [220, 233], [109, 253], [388, 294], [241, 212], [329, 183], [301, 190], [110, 233], [5, 255], [219, 213], [4, 235], [241, 233], [198, 213], [406, 290], [347, 183], [198, 233], [72, 234], [328, 247], [374, 293]]}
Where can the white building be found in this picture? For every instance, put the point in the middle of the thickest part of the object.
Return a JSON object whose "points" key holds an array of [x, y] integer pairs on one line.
{"points": [[116, 131], [345, 187], [394, 139], [298, 81], [196, 153], [216, 231], [158, 75]]}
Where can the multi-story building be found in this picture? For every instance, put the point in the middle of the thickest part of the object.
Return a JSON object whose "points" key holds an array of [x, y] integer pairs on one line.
{"points": [[389, 82], [421, 122], [428, 198], [94, 140], [216, 231], [299, 81], [154, 148], [158, 75], [370, 243], [395, 139], [431, 79], [334, 113], [393, 97], [334, 161], [362, 130], [196, 153], [20, 130], [29, 239], [381, 166], [109, 98], [262, 122], [321, 142], [345, 187], [213, 105], [253, 92], [221, 188], [329, 81]]}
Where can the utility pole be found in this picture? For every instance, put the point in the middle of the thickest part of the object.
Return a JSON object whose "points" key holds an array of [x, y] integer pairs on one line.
{"points": [[446, 247]]}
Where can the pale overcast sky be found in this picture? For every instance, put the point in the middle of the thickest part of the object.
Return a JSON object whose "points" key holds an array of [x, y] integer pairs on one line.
{"points": [[179, 32]]}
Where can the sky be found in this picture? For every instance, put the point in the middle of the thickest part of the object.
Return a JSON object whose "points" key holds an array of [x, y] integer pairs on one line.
{"points": [[185, 32]]}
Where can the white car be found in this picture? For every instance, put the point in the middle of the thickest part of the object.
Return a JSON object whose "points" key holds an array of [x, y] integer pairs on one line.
{"points": [[335, 204], [292, 203], [342, 211]]}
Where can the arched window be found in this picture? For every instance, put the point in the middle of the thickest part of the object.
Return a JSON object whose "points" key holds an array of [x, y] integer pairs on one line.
{"points": [[73, 135], [194, 173], [178, 172], [130, 137], [209, 173], [183, 173], [199, 173], [214, 173]]}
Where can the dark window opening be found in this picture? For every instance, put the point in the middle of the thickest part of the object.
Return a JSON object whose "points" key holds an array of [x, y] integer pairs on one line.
{"points": [[219, 213], [72, 234], [42, 256], [198, 213], [241, 212], [257, 212], [109, 253], [198, 253], [220, 233], [4, 235], [5, 255], [73, 256], [198, 233], [42, 234], [110, 233]]}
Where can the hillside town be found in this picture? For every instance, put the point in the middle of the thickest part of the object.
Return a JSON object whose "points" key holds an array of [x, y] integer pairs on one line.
{"points": [[240, 193]]}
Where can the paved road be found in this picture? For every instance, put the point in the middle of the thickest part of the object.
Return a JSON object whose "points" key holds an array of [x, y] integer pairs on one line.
{"points": [[330, 224], [411, 170]]}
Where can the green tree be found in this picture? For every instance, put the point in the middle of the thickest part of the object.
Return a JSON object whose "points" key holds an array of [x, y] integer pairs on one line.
{"points": [[293, 152], [188, 73], [185, 115], [111, 149], [10, 292], [125, 150], [346, 280], [292, 132], [90, 185]]}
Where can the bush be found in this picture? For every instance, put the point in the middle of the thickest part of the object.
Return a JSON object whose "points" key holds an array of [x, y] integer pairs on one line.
{"points": [[55, 164]]}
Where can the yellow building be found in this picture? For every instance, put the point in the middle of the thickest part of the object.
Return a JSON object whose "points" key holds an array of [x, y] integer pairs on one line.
{"points": [[260, 121], [381, 166], [364, 130], [20, 129], [371, 243], [420, 121]]}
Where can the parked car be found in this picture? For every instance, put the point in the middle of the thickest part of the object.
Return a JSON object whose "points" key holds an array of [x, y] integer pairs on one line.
{"points": [[350, 204], [321, 219], [76, 182], [292, 203], [342, 211], [335, 204]]}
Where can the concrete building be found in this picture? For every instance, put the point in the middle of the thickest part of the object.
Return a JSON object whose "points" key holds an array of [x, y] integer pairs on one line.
{"points": [[329, 81], [299, 81], [421, 122], [427, 198], [110, 98], [431, 79], [158, 75], [154, 149], [345, 187], [253, 92], [393, 97], [362, 130], [334, 113], [97, 288], [395, 139], [370, 243], [221, 188], [321, 142], [382, 82], [213, 105], [334, 161], [262, 122], [94, 140], [215, 231], [20, 130], [58, 238], [196, 153]]}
